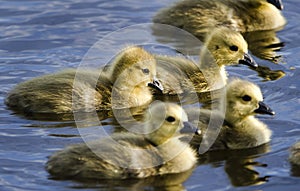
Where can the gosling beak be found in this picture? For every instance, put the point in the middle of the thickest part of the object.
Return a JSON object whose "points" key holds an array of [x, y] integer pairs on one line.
{"points": [[156, 85], [277, 3], [264, 109], [189, 128], [248, 60]]}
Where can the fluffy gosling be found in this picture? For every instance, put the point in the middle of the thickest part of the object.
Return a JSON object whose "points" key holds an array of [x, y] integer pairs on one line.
{"points": [[222, 47], [295, 154], [129, 78], [127, 155], [201, 16], [240, 129]]}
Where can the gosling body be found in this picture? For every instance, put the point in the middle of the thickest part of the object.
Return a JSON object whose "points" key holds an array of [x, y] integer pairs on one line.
{"points": [[200, 16], [128, 79], [129, 155]]}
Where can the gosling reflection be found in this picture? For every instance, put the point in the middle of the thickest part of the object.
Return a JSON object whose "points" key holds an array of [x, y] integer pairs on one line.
{"points": [[267, 74], [169, 182], [264, 44], [242, 172], [294, 158], [240, 165], [295, 170]]}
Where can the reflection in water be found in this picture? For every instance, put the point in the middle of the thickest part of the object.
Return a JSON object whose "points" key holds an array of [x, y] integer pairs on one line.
{"points": [[242, 172], [220, 155], [67, 119], [264, 44], [268, 74], [239, 164], [45, 116], [56, 34], [62, 117], [295, 170], [294, 158], [170, 182]]}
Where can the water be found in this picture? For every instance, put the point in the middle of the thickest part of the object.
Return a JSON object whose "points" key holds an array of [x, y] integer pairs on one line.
{"points": [[40, 37]]}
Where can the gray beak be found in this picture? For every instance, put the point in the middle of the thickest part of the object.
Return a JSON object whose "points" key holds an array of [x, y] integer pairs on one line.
{"points": [[277, 3], [155, 84], [248, 60], [189, 128], [264, 109]]}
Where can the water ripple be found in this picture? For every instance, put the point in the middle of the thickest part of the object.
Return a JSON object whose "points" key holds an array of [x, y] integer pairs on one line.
{"points": [[40, 37]]}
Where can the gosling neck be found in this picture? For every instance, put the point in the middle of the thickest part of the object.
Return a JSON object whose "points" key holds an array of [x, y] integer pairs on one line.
{"points": [[235, 120], [157, 140], [214, 73], [124, 96]]}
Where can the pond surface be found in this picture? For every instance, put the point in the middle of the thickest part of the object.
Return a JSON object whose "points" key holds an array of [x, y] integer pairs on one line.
{"points": [[40, 37]]}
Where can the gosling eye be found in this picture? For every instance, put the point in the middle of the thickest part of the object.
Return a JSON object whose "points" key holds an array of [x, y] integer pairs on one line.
{"points": [[170, 119], [246, 98], [234, 48], [146, 71]]}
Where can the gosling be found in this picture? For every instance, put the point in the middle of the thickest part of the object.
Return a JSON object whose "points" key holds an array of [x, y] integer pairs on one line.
{"points": [[123, 85], [127, 155], [240, 129], [201, 16], [222, 47], [294, 157]]}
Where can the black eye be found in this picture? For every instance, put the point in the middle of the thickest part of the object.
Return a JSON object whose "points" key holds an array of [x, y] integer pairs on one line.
{"points": [[170, 119], [234, 48], [146, 71], [246, 98]]}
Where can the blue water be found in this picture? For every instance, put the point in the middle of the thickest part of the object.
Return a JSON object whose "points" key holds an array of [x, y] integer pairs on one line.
{"points": [[40, 37]]}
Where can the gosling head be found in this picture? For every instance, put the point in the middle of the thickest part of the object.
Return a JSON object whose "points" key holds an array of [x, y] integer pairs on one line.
{"points": [[228, 47], [166, 120], [135, 68], [244, 99]]}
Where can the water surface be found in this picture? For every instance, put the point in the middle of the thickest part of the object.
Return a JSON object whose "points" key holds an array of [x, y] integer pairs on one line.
{"points": [[40, 37]]}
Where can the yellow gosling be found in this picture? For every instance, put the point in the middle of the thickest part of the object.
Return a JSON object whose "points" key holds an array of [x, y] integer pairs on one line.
{"points": [[201, 16], [295, 154], [127, 155], [132, 71], [240, 128], [222, 47]]}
